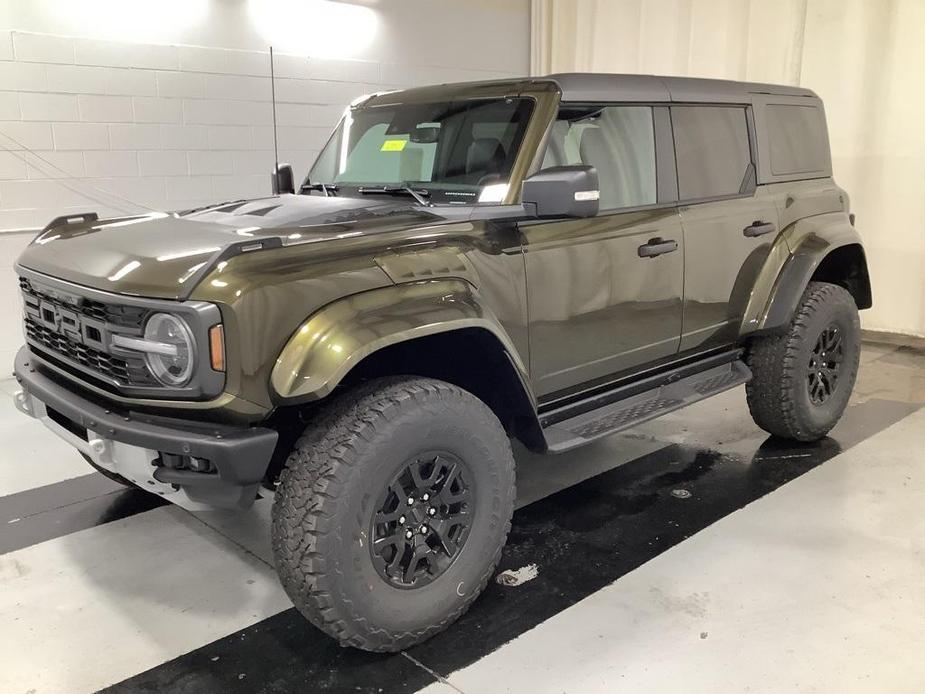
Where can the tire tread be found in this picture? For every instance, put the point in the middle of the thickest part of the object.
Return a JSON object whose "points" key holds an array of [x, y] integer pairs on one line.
{"points": [[776, 375], [320, 466]]}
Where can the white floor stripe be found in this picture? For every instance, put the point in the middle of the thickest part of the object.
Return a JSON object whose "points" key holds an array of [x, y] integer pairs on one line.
{"points": [[817, 587], [89, 609], [106, 603]]}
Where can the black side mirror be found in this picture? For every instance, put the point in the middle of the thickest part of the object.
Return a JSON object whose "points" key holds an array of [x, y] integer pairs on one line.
{"points": [[282, 180], [562, 191]]}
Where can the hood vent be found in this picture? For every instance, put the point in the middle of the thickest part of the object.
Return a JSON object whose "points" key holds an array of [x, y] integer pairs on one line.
{"points": [[230, 208], [262, 212]]}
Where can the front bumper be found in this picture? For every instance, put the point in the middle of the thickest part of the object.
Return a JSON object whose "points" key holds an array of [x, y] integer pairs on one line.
{"points": [[145, 449]]}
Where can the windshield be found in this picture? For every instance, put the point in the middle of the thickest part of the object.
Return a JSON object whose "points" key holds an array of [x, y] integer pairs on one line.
{"points": [[450, 151]]}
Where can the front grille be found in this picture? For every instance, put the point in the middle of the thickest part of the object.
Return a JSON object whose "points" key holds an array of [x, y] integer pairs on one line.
{"points": [[114, 314], [127, 372], [76, 331]]}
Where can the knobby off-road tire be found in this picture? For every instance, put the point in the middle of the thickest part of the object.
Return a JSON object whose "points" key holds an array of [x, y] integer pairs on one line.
{"points": [[804, 377], [342, 476]]}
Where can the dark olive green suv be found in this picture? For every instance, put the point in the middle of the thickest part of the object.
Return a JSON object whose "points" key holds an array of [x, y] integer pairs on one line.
{"points": [[551, 259]]}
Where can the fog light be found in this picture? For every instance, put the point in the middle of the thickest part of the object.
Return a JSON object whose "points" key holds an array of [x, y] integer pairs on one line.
{"points": [[173, 461], [200, 464]]}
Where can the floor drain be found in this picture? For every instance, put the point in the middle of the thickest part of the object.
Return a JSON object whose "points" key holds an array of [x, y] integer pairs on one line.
{"points": [[680, 494]]}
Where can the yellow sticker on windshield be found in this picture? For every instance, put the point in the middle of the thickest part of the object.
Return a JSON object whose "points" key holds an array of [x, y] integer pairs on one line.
{"points": [[393, 145]]}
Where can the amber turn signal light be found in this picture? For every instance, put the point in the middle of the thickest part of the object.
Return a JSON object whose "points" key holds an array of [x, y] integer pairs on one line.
{"points": [[217, 347]]}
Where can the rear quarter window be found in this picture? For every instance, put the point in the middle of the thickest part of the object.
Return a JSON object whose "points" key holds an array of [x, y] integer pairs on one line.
{"points": [[796, 139]]}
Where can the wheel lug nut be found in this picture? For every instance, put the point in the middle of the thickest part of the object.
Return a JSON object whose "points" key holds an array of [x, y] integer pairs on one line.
{"points": [[426, 497], [401, 520], [431, 511], [410, 500], [409, 534], [423, 530]]}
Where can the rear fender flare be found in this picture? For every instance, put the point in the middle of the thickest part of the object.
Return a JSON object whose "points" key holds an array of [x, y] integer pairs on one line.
{"points": [[790, 266]]}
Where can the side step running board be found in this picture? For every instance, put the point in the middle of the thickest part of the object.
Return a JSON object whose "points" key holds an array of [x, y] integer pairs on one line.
{"points": [[626, 413]]}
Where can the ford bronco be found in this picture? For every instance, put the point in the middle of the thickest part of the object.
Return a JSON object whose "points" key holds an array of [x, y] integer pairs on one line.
{"points": [[551, 259]]}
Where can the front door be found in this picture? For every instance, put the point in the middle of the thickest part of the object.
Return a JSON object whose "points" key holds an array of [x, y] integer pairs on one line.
{"points": [[604, 294], [729, 224]]}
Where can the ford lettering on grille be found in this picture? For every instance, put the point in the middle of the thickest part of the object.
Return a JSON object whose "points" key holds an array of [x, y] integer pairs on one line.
{"points": [[75, 333]]}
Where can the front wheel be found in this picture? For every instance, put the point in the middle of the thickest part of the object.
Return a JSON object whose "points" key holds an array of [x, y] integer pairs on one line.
{"points": [[804, 377], [392, 511]]}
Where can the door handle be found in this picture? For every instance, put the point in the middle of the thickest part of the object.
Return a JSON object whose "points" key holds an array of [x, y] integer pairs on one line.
{"points": [[759, 229], [657, 246]]}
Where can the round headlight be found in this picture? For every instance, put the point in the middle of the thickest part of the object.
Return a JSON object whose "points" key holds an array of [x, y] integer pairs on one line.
{"points": [[172, 366]]}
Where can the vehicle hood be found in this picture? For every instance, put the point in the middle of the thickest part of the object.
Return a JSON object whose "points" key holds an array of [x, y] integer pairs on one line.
{"points": [[163, 255]]}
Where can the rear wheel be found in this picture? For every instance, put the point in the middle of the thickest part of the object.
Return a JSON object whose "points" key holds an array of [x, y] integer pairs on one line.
{"points": [[803, 378], [392, 511]]}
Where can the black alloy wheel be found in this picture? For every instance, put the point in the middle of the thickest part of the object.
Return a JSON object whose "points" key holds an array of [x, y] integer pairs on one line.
{"points": [[824, 364], [422, 520]]}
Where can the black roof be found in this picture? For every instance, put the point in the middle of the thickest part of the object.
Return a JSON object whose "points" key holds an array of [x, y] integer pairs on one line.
{"points": [[587, 86], [593, 86]]}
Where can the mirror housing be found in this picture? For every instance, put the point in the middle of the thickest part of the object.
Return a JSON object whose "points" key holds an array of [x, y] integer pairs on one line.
{"points": [[424, 135], [562, 191], [282, 180]]}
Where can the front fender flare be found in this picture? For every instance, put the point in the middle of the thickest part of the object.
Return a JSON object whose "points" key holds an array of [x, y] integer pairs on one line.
{"points": [[338, 336]]}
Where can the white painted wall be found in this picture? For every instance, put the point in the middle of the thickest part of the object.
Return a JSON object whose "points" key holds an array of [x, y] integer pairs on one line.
{"points": [[176, 112], [865, 58], [170, 125]]}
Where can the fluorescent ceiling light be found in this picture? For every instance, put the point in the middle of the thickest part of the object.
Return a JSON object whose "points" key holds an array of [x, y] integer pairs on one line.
{"points": [[314, 27], [125, 20]]}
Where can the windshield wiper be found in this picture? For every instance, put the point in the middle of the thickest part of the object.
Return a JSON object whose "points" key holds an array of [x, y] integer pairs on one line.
{"points": [[329, 189], [420, 194]]}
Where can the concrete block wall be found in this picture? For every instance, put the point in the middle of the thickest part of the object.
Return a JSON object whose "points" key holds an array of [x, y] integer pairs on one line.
{"points": [[117, 128], [97, 125]]}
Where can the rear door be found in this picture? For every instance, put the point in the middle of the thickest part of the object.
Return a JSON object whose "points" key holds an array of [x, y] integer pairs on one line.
{"points": [[604, 294], [729, 224]]}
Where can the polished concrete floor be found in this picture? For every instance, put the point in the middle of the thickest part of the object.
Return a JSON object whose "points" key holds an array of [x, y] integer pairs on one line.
{"points": [[693, 553]]}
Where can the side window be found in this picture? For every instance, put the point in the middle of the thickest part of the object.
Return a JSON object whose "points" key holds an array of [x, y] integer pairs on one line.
{"points": [[619, 141], [797, 138], [711, 147]]}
